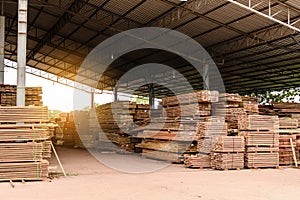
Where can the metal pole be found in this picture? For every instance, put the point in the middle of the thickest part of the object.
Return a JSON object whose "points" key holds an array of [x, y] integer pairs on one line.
{"points": [[151, 96], [116, 93], [92, 98], [2, 42], [206, 77], [21, 52]]}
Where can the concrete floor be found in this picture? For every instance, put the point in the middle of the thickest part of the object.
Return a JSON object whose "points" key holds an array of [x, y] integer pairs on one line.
{"points": [[92, 180]]}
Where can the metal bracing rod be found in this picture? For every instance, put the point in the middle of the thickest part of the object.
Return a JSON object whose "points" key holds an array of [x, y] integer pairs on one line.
{"points": [[56, 79], [269, 16]]}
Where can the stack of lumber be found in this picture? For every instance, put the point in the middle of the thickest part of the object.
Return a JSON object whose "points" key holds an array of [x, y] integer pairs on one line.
{"points": [[208, 133], [288, 123], [228, 153], [289, 114], [197, 161], [286, 109], [33, 95], [285, 149], [298, 146], [24, 171], [266, 110], [116, 121], [24, 143], [24, 114], [250, 105], [191, 98], [230, 107], [258, 122], [83, 137], [261, 140], [168, 138], [142, 114], [192, 105], [75, 130]]}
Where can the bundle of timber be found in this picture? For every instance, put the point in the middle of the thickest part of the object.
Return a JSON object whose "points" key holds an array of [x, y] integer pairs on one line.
{"points": [[258, 122], [228, 153], [24, 114], [75, 130], [142, 114], [225, 161], [197, 161], [116, 120], [288, 123], [298, 146], [230, 100], [167, 137], [208, 133], [33, 95], [230, 144], [83, 137], [230, 97], [266, 110], [286, 109], [192, 105], [261, 159], [231, 116], [261, 140], [24, 143], [286, 150], [24, 171], [230, 106], [202, 96], [250, 105]]}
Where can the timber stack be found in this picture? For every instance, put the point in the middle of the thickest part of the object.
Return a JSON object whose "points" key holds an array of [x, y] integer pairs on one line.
{"points": [[261, 140], [176, 133], [289, 114], [230, 106], [25, 134], [116, 121], [8, 93], [228, 153]]}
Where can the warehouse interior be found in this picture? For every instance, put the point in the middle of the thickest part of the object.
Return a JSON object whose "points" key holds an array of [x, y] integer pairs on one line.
{"points": [[177, 124]]}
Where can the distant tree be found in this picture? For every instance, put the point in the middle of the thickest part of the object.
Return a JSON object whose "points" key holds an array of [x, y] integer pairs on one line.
{"points": [[286, 95]]}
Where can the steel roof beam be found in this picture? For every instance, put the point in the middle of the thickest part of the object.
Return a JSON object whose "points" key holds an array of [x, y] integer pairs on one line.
{"points": [[75, 7], [271, 16]]}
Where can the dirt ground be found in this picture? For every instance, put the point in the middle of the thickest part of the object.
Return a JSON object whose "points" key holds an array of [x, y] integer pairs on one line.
{"points": [[89, 179]]}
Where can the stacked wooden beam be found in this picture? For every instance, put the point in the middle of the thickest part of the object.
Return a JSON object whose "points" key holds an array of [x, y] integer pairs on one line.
{"points": [[228, 153], [116, 120], [261, 140], [168, 138], [258, 122], [33, 95], [230, 107], [24, 143], [75, 129], [24, 171], [197, 161], [250, 105], [285, 149]]}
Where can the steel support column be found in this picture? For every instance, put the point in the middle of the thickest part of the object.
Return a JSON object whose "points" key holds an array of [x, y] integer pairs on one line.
{"points": [[206, 77], [116, 93], [151, 95], [21, 53], [92, 98]]}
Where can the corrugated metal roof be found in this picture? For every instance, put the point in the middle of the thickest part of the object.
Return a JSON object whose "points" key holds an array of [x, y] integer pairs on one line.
{"points": [[222, 26]]}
